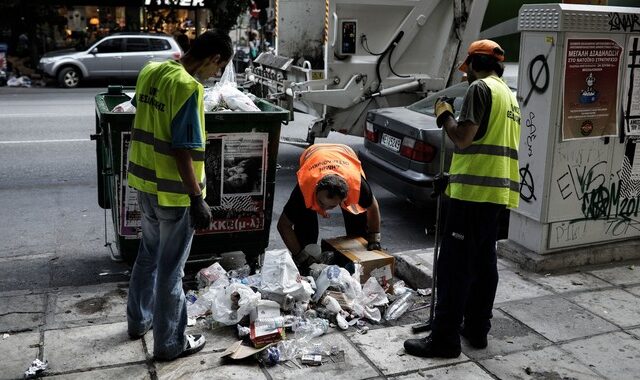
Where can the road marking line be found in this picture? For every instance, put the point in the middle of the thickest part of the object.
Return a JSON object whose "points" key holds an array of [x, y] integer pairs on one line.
{"points": [[7, 115], [42, 141]]}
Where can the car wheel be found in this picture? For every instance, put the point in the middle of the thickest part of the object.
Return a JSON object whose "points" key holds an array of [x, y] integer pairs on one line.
{"points": [[69, 77]]}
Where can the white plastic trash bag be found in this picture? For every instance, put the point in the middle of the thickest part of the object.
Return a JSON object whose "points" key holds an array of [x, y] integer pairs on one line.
{"points": [[280, 276], [124, 107], [230, 304]]}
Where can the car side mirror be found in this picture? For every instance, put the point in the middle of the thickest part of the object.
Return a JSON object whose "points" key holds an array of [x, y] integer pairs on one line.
{"points": [[94, 51]]}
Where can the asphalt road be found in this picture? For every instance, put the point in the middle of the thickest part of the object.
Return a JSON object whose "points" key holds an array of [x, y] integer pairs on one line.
{"points": [[52, 231]]}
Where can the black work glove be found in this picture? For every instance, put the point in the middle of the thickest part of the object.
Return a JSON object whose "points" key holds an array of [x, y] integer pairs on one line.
{"points": [[200, 212], [373, 241], [443, 109], [440, 183]]}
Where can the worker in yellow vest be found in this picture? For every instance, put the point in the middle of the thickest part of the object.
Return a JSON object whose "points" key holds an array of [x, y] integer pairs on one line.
{"points": [[166, 166], [484, 179], [330, 175]]}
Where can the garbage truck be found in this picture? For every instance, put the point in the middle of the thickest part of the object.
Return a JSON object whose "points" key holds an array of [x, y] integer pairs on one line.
{"points": [[337, 59]]}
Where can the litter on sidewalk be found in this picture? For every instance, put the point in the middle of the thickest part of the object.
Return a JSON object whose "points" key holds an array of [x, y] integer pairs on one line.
{"points": [[279, 314]]}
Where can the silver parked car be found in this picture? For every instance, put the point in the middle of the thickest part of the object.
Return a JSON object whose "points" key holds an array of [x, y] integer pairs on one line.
{"points": [[120, 55], [402, 144]]}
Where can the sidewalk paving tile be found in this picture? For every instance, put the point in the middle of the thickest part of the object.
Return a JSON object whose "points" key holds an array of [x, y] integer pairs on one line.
{"points": [[463, 371], [506, 336], [208, 366], [91, 305], [547, 363], [384, 347], [557, 319], [90, 346], [130, 372], [17, 351], [614, 305], [615, 355], [217, 340], [620, 275], [354, 366], [571, 282], [513, 287], [19, 313]]}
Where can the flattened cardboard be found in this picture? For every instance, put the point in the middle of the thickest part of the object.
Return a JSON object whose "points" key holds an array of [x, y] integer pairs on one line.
{"points": [[239, 351], [375, 263]]}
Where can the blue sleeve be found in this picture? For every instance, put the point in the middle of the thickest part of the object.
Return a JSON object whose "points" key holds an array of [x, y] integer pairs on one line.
{"points": [[185, 127]]}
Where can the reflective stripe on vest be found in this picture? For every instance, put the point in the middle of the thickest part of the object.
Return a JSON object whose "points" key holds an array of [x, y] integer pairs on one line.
{"points": [[487, 170], [161, 90], [320, 160]]}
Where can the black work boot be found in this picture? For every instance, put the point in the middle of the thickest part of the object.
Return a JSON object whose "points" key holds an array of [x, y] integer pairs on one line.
{"points": [[431, 348], [475, 339]]}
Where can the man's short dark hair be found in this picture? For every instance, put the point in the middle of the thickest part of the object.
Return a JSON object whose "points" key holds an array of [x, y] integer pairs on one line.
{"points": [[335, 186], [482, 62], [210, 43]]}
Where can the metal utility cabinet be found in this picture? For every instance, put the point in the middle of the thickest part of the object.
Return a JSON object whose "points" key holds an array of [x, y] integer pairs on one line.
{"points": [[237, 142], [579, 92]]}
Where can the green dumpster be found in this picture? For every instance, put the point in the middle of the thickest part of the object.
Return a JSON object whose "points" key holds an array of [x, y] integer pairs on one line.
{"points": [[240, 164]]}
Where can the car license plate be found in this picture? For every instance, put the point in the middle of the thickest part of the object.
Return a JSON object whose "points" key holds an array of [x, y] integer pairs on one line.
{"points": [[390, 142]]}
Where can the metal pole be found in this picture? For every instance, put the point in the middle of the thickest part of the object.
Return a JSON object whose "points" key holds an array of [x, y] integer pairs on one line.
{"points": [[421, 327]]}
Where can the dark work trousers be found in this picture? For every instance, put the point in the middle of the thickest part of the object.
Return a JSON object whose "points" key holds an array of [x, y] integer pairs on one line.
{"points": [[467, 271], [305, 226]]}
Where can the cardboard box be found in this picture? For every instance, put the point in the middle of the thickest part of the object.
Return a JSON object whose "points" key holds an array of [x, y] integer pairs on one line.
{"points": [[347, 250], [262, 335]]}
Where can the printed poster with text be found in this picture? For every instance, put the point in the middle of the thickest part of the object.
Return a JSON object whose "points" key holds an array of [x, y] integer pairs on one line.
{"points": [[235, 165], [590, 88]]}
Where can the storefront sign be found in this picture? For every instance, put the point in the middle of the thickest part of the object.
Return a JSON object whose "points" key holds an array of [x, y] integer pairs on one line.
{"points": [[176, 3], [590, 88]]}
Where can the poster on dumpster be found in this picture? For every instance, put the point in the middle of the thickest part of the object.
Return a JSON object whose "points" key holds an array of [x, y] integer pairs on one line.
{"points": [[235, 164], [631, 94], [590, 88], [130, 216]]}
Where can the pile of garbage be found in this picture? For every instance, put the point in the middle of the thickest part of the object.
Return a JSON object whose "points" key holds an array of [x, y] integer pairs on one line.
{"points": [[278, 312], [222, 96]]}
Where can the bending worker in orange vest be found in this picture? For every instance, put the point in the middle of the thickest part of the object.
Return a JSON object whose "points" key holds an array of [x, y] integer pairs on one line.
{"points": [[329, 175]]}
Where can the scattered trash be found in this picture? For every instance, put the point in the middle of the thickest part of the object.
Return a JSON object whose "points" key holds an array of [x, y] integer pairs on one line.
{"points": [[23, 81], [108, 272], [35, 369], [5, 336], [424, 292], [239, 351], [400, 306], [311, 359], [574, 282], [270, 356], [124, 107], [631, 267]]}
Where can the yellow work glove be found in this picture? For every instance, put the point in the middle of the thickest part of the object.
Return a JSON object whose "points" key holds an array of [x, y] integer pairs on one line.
{"points": [[443, 108]]}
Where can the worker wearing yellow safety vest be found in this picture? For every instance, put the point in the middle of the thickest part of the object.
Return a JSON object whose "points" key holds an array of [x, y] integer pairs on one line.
{"points": [[166, 166], [330, 175], [484, 179]]}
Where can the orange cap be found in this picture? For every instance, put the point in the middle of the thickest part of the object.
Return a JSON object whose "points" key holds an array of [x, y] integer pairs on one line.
{"points": [[486, 47]]}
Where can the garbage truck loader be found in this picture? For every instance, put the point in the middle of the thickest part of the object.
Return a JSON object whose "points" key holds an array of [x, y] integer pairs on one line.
{"points": [[337, 59]]}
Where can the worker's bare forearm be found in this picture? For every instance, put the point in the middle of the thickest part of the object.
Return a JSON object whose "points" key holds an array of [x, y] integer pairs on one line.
{"points": [[185, 168], [285, 228], [373, 217], [461, 134]]}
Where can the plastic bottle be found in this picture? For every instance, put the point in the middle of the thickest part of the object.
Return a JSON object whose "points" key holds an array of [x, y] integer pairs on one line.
{"points": [[400, 305], [276, 322]]}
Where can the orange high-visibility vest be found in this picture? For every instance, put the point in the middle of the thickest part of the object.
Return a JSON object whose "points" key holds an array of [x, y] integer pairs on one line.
{"points": [[320, 160]]}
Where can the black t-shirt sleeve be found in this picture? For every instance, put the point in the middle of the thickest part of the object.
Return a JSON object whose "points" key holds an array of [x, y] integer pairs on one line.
{"points": [[366, 196], [476, 107], [295, 205]]}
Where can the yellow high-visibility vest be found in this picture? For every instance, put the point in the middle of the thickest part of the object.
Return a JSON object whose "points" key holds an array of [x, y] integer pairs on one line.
{"points": [[487, 170], [161, 91]]}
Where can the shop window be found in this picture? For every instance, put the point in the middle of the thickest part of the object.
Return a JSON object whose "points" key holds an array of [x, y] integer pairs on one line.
{"points": [[137, 44], [110, 46], [159, 44]]}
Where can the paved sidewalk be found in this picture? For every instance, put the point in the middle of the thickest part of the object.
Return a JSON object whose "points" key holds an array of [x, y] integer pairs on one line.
{"points": [[581, 325]]}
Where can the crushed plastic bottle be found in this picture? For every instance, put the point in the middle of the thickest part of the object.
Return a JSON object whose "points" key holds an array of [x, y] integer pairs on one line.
{"points": [[276, 322], [400, 305], [310, 328]]}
